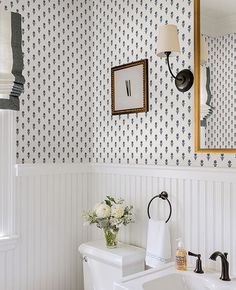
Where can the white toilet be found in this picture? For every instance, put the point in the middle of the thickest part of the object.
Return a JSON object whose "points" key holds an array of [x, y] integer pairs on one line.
{"points": [[102, 266]]}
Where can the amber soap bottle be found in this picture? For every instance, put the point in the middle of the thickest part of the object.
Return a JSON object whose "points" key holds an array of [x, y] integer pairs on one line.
{"points": [[181, 257]]}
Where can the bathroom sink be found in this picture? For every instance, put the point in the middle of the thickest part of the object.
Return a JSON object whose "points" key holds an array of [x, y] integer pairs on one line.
{"points": [[168, 278]]}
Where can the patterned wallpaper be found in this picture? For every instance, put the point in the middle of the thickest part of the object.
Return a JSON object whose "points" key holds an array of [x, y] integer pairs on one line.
{"points": [[52, 123], [70, 47], [221, 125], [125, 31]]}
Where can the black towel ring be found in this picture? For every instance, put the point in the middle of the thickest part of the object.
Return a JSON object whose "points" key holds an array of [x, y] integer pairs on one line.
{"points": [[163, 195]]}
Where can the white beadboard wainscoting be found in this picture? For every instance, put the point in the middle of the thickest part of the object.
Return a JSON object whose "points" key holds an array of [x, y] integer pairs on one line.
{"points": [[203, 202], [49, 202], [50, 199]]}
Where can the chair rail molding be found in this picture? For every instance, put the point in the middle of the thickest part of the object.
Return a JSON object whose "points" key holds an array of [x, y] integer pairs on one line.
{"points": [[195, 173]]}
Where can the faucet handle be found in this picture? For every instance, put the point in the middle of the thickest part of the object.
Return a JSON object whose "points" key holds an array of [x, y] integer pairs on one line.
{"points": [[194, 255], [198, 268], [226, 255]]}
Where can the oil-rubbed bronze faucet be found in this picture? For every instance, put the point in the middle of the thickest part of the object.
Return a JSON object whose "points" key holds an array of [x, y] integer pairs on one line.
{"points": [[198, 268], [224, 265]]}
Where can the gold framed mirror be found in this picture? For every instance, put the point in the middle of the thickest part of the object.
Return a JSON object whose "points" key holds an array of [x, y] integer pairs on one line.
{"points": [[215, 76]]}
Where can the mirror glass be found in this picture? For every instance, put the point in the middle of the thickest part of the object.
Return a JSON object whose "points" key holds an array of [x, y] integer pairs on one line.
{"points": [[217, 104]]}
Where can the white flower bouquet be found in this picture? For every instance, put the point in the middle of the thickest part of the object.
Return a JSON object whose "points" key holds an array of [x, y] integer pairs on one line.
{"points": [[110, 215]]}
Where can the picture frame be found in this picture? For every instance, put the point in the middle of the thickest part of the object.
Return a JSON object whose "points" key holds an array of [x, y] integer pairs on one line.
{"points": [[129, 88]]}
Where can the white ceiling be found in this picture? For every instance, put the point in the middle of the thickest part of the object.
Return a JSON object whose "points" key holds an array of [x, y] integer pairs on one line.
{"points": [[218, 8], [218, 17]]}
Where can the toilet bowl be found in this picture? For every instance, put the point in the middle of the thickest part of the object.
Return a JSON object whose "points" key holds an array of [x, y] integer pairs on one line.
{"points": [[102, 266]]}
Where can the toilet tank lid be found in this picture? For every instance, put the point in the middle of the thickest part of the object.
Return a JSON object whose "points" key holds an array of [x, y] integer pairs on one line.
{"points": [[123, 255]]}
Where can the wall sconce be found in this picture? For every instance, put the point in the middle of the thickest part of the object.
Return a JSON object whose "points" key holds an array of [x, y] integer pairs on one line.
{"points": [[11, 61], [168, 46]]}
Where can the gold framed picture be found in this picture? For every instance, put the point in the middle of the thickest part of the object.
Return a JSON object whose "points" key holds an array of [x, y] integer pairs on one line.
{"points": [[129, 88]]}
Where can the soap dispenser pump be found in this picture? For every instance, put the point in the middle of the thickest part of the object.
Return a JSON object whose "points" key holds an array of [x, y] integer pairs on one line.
{"points": [[181, 256]]}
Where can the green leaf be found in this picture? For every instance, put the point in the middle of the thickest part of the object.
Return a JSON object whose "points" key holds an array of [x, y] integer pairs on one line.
{"points": [[108, 202], [111, 199]]}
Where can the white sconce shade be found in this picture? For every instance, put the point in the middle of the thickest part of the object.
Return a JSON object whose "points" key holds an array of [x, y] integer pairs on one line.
{"points": [[168, 40], [11, 61], [203, 51]]}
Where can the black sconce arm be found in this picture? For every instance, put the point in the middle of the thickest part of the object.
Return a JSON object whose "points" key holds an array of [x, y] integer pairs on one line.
{"points": [[184, 79], [168, 62]]}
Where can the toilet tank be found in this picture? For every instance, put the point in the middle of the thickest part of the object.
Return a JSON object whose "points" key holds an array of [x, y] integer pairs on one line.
{"points": [[103, 266]]}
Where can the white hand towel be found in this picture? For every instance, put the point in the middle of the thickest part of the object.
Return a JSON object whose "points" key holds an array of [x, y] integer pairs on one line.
{"points": [[158, 243]]}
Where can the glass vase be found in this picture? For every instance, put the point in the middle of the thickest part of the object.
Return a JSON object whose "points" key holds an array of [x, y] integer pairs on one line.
{"points": [[111, 238]]}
